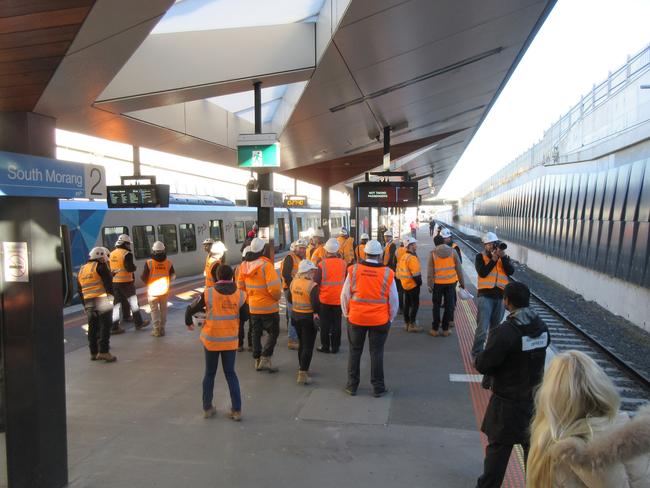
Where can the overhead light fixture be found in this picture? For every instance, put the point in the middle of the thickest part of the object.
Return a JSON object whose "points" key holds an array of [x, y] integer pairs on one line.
{"points": [[430, 181], [417, 79]]}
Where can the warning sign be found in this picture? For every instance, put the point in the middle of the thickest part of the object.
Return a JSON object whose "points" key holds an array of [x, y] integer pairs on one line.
{"points": [[15, 266]]}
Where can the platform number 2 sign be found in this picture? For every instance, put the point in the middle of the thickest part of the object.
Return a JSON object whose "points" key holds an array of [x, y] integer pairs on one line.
{"points": [[95, 181]]}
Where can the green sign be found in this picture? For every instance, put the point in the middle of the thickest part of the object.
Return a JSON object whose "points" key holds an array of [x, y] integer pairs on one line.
{"points": [[259, 156]]}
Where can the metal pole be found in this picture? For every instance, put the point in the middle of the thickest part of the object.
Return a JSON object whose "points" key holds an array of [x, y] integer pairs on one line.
{"points": [[136, 161], [257, 86], [387, 148]]}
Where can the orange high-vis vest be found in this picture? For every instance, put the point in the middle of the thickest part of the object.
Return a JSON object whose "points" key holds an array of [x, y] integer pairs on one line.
{"points": [[220, 330], [387, 252], [210, 262], [361, 252], [370, 290], [445, 270], [497, 277], [318, 254], [118, 268], [91, 283], [346, 248], [294, 270], [400, 252], [300, 295], [310, 249], [408, 267], [262, 285], [158, 283], [332, 278]]}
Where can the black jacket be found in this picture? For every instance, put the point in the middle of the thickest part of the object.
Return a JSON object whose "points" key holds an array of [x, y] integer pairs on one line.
{"points": [[104, 273], [160, 258], [129, 264], [287, 269], [198, 305], [484, 269], [514, 358]]}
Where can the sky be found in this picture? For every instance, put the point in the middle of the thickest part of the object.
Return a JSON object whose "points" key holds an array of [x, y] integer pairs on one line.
{"points": [[580, 42]]}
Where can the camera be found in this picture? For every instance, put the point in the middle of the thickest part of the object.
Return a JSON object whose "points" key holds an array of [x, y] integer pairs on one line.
{"points": [[502, 245]]}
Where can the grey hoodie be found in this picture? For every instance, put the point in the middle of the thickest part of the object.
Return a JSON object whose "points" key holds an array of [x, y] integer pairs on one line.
{"points": [[444, 251]]}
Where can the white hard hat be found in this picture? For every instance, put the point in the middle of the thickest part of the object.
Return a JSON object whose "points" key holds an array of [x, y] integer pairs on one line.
{"points": [[246, 250], [364, 236], [488, 237], [332, 245], [208, 240], [445, 233], [305, 266], [218, 248], [122, 238], [106, 251], [344, 231], [373, 248], [388, 233], [301, 243], [292, 246], [409, 240], [158, 247], [257, 245], [98, 253], [319, 233]]}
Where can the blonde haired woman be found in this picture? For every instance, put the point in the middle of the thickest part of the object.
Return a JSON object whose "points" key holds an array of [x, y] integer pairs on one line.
{"points": [[579, 438]]}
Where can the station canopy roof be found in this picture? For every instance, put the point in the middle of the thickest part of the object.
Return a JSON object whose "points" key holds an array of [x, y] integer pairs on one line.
{"points": [[177, 76]]}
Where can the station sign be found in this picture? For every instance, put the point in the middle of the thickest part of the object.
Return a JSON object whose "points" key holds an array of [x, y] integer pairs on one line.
{"points": [[258, 151], [34, 176], [386, 194], [295, 201], [138, 196]]}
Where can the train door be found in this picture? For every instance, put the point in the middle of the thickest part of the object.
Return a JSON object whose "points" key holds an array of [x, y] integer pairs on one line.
{"points": [[299, 225], [281, 234], [216, 230]]}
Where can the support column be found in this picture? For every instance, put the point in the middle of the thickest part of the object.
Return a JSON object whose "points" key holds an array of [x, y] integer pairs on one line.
{"points": [[325, 210], [354, 217], [28, 133], [136, 161]]}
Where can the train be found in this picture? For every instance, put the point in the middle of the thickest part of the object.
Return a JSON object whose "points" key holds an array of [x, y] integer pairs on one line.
{"points": [[182, 227]]}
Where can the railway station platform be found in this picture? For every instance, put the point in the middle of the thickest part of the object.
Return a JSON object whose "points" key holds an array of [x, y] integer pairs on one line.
{"points": [[138, 422]]}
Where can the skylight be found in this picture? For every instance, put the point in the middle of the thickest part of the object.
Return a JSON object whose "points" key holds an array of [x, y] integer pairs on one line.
{"points": [[197, 15], [243, 104]]}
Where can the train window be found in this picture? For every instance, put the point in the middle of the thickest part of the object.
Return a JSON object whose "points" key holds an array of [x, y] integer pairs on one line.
{"points": [[188, 237], [167, 234], [249, 226], [216, 230], [143, 238], [110, 235], [240, 232]]}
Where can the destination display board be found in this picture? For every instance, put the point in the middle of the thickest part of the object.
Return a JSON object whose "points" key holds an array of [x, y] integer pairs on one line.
{"points": [[295, 201], [386, 194], [137, 196]]}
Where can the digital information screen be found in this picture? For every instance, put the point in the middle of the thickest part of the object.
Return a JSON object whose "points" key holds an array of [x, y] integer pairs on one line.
{"points": [[387, 194], [140, 196], [295, 201]]}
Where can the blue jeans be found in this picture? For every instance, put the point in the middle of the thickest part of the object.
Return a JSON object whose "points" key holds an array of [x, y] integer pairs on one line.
{"points": [[291, 322], [211, 363], [490, 313]]}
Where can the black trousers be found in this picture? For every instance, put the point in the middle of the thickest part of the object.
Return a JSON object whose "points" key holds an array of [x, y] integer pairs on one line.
{"points": [[411, 304], [121, 294], [330, 327], [99, 313], [242, 333], [269, 323], [377, 336], [306, 339], [495, 464], [400, 293], [447, 293]]}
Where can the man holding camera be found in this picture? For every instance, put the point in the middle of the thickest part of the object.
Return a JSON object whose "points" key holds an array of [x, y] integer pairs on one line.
{"points": [[493, 267]]}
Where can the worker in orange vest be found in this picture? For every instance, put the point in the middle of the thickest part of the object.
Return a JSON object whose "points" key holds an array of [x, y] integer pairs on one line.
{"points": [[360, 252], [346, 246], [125, 298], [369, 301], [305, 309], [288, 270], [242, 323], [410, 276], [212, 261], [260, 281], [330, 276], [318, 252], [444, 273], [494, 268], [224, 308], [158, 274], [94, 283]]}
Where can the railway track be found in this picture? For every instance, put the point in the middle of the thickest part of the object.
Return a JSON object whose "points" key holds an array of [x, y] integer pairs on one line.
{"points": [[633, 385]]}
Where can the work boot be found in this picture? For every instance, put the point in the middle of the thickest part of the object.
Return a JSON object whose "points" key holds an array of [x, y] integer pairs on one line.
{"points": [[117, 330], [414, 328], [258, 364], [157, 333], [209, 413], [433, 333], [93, 357], [235, 415], [144, 323], [407, 325], [446, 333], [303, 378], [106, 357], [292, 344], [265, 365]]}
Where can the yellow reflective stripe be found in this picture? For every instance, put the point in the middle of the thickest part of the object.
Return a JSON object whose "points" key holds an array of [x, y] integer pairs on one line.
{"points": [[384, 285], [219, 339], [369, 300]]}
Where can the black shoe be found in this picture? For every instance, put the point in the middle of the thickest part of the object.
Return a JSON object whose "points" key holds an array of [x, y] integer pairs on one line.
{"points": [[323, 350], [380, 393], [143, 324], [117, 330], [350, 391]]}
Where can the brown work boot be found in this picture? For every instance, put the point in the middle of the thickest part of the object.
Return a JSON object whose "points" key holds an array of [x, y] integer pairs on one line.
{"points": [[414, 328], [406, 326], [446, 333], [235, 415], [265, 365], [209, 413], [303, 378], [106, 357], [293, 345], [433, 333], [258, 364], [157, 333]]}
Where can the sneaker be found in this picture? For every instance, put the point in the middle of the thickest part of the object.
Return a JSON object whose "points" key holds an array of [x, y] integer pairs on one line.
{"points": [[209, 413], [292, 344], [433, 333], [350, 391], [117, 330], [380, 393], [107, 357], [143, 324], [235, 415]]}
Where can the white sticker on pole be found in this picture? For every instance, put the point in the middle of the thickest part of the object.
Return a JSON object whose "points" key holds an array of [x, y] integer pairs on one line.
{"points": [[266, 199], [15, 263], [264, 233]]}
